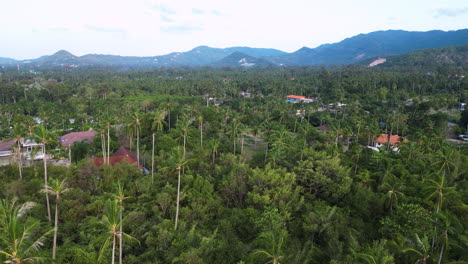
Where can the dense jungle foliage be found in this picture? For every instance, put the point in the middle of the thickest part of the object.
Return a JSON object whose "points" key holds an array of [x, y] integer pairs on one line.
{"points": [[251, 180]]}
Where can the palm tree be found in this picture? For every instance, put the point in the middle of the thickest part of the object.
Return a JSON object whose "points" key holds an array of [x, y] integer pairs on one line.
{"points": [[57, 189], [136, 124], [421, 247], [158, 125], [439, 191], [120, 196], [274, 244], [392, 195], [108, 122], [180, 161], [45, 136], [16, 233], [17, 133], [111, 223], [200, 126]]}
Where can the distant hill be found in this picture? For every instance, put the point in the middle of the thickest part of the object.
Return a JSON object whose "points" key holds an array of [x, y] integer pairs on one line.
{"points": [[198, 56], [379, 43], [348, 51], [61, 57], [6, 61], [427, 58], [239, 59]]}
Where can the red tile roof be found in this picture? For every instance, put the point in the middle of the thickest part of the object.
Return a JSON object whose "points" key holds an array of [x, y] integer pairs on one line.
{"points": [[70, 138], [121, 155], [6, 145], [394, 139]]}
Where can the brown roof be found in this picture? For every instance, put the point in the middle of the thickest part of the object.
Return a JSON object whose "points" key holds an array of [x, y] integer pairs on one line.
{"points": [[6, 145], [70, 138], [121, 155], [323, 128]]}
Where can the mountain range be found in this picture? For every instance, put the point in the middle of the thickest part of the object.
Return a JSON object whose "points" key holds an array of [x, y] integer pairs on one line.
{"points": [[456, 56], [348, 51]]}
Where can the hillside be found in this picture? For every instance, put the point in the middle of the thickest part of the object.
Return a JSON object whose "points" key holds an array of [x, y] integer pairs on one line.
{"points": [[348, 51], [379, 43], [239, 59], [427, 58]]}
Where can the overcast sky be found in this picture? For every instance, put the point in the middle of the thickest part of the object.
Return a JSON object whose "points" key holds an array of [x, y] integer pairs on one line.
{"points": [[32, 28]]}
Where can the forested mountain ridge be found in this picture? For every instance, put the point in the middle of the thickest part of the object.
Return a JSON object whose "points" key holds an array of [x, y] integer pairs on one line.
{"points": [[454, 56], [347, 51], [379, 43]]}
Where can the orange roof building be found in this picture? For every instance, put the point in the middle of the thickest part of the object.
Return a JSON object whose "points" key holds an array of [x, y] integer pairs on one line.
{"points": [[394, 139]]}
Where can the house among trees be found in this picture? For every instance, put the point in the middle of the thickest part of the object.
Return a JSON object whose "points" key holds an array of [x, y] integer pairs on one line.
{"points": [[298, 99], [394, 141], [28, 149], [120, 156], [69, 139]]}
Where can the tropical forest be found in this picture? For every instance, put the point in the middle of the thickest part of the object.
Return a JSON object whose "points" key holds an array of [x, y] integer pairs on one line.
{"points": [[306, 164]]}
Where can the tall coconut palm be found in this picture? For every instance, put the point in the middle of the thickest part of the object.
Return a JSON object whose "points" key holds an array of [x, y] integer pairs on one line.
{"points": [[57, 188], [120, 196], [17, 133], [108, 122], [200, 127], [178, 163], [111, 223], [137, 126], [158, 125], [17, 233], [45, 137]]}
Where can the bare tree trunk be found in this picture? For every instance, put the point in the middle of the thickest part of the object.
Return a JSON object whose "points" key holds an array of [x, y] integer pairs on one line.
{"points": [[108, 144], [441, 253], [54, 245], [234, 142], [20, 161], [103, 147], [113, 249], [242, 145], [201, 135], [138, 146], [152, 162], [178, 199], [46, 183], [120, 237]]}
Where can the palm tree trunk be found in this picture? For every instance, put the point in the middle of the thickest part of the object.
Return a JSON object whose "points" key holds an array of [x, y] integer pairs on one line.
{"points": [[234, 143], [108, 144], [185, 141], [113, 249], [54, 245], [20, 161], [201, 135], [103, 147], [152, 163], [178, 199], [138, 145], [441, 253], [242, 145], [46, 183], [120, 237]]}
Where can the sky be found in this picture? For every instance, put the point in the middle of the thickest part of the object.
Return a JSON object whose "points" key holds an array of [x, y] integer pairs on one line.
{"points": [[33, 28]]}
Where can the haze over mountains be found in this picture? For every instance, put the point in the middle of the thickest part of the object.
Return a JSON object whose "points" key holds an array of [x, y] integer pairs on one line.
{"points": [[351, 50]]}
